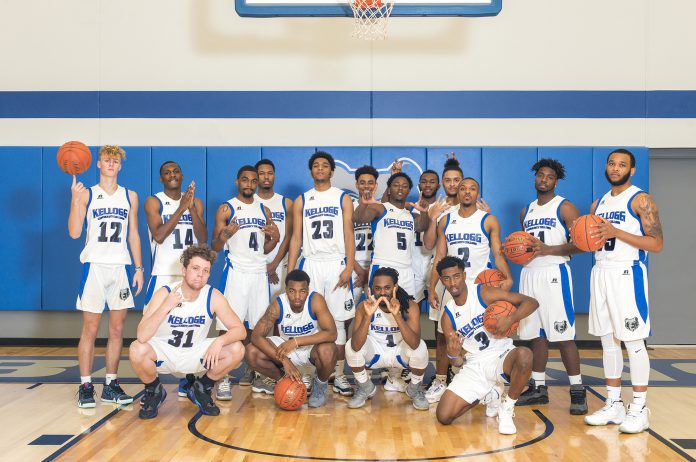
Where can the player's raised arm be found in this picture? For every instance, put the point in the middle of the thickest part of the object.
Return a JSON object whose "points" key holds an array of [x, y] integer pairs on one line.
{"points": [[296, 238], [440, 253], [78, 208], [162, 302], [222, 231], [197, 213], [492, 227], [363, 314], [134, 243]]}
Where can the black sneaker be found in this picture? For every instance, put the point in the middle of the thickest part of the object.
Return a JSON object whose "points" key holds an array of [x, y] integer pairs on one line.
{"points": [[578, 400], [113, 393], [85, 396], [450, 375], [203, 398], [152, 400], [184, 385], [534, 395]]}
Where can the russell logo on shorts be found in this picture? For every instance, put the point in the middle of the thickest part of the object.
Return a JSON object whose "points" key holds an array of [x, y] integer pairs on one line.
{"points": [[123, 294], [631, 323], [560, 326]]}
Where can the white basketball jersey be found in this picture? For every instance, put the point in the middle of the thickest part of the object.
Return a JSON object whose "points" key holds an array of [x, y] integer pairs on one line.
{"points": [[106, 223], [420, 256], [467, 239], [545, 223], [166, 256], [276, 205], [291, 324], [393, 237], [384, 329], [468, 321], [617, 210], [363, 240], [244, 250], [189, 323], [322, 225]]}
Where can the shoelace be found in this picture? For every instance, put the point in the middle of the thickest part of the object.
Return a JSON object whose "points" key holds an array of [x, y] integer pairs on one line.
{"points": [[224, 385]]}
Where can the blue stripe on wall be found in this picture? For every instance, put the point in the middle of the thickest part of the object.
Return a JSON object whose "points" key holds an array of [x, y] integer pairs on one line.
{"points": [[348, 104]]}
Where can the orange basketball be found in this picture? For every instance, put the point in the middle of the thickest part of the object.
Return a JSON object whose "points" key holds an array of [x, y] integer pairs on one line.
{"points": [[496, 310], [290, 395], [580, 233], [74, 157], [518, 247], [490, 277]]}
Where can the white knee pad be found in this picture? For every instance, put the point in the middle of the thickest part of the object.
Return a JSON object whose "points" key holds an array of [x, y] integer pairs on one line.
{"points": [[419, 357], [354, 358], [612, 358], [639, 362], [341, 331]]}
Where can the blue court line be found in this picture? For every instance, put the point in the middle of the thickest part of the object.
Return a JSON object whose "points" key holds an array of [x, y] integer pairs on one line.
{"points": [[653, 433], [348, 104], [548, 430]]}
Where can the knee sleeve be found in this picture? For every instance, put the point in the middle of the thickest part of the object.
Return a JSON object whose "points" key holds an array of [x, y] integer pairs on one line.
{"points": [[341, 331], [419, 357], [354, 358], [612, 357], [639, 362]]}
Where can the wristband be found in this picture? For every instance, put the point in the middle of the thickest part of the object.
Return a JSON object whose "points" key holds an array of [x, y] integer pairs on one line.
{"points": [[139, 268], [453, 357]]}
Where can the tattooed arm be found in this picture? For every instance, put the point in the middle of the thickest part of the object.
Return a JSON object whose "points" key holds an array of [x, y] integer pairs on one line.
{"points": [[264, 328], [646, 209]]}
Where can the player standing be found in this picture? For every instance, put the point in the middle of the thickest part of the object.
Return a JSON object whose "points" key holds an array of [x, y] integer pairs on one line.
{"points": [[619, 290], [109, 214]]}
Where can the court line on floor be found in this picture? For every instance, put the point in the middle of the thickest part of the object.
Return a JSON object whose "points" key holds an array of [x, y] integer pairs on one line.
{"points": [[653, 433], [91, 429], [548, 430]]}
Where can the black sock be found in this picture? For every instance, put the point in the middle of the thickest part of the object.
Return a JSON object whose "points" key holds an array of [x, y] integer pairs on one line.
{"points": [[153, 384], [207, 382]]}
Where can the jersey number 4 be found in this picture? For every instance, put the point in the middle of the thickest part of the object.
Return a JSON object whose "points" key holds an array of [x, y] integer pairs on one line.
{"points": [[178, 336]]}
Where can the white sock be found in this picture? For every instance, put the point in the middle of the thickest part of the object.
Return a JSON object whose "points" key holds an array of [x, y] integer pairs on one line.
{"points": [[416, 379], [85, 379], [614, 393], [539, 378], [575, 379], [340, 367], [110, 378], [640, 397], [509, 402], [361, 377], [441, 377]]}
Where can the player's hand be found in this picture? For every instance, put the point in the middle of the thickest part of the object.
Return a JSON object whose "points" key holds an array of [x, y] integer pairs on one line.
{"points": [[76, 189], [433, 300], [421, 205], [451, 155], [285, 348], [602, 231], [397, 166], [174, 298], [212, 355], [344, 278], [229, 230], [454, 343], [138, 282], [291, 371], [271, 231], [272, 271], [192, 189], [367, 198], [370, 304], [361, 277], [393, 305], [502, 326], [482, 205], [438, 208]]}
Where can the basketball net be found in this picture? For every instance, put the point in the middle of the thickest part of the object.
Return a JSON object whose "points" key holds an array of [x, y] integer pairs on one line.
{"points": [[371, 18]]}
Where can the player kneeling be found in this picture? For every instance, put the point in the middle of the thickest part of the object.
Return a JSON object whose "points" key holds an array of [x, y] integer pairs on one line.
{"points": [[386, 334], [173, 336], [489, 360], [307, 335]]}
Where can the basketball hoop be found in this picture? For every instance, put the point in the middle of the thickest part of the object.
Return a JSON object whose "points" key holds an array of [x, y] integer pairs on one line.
{"points": [[371, 18]]}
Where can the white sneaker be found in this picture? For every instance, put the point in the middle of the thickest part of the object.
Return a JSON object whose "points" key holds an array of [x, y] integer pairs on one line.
{"points": [[342, 386], [435, 392], [223, 390], [506, 411], [613, 412], [395, 382], [492, 401], [308, 381], [636, 419]]}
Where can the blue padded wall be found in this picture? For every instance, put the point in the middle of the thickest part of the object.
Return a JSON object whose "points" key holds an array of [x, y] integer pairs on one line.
{"points": [[469, 160], [292, 173], [384, 157]]}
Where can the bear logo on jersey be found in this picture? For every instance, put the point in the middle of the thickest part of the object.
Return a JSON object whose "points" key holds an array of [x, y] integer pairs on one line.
{"points": [[123, 294], [348, 305], [631, 323], [560, 326]]}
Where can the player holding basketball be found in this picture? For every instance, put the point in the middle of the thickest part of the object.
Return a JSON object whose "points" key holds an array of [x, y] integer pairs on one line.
{"points": [[387, 334], [490, 359], [619, 290], [173, 335], [547, 278], [277, 259], [471, 234], [307, 335], [246, 230], [323, 228], [109, 213]]}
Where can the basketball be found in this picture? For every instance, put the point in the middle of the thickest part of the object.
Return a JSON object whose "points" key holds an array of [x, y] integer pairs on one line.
{"points": [[490, 277], [580, 233], [496, 310], [290, 395], [518, 247], [74, 157]]}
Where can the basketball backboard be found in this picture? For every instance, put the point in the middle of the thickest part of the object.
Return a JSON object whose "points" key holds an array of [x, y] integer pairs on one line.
{"points": [[270, 8]]}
